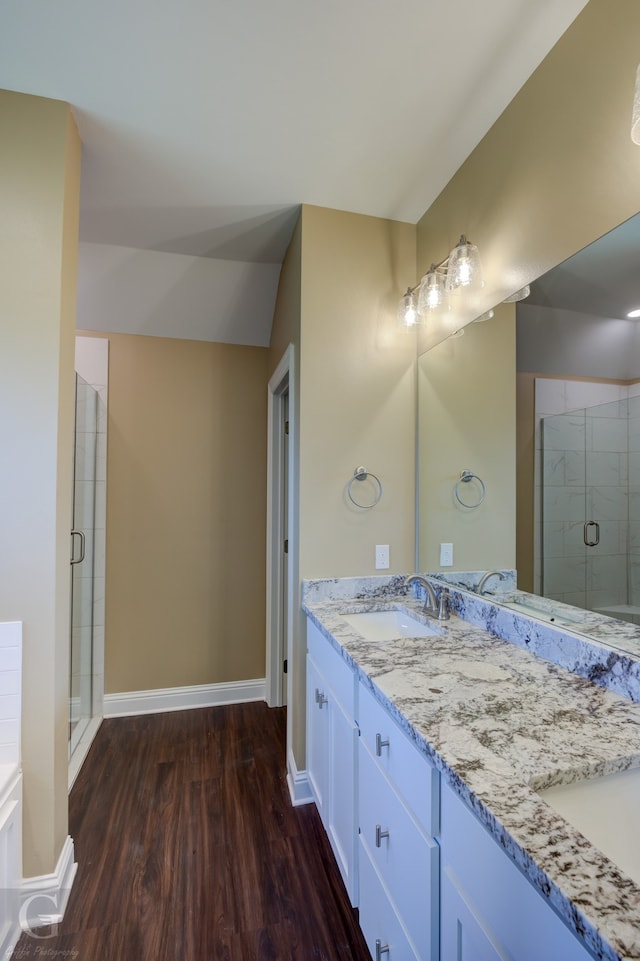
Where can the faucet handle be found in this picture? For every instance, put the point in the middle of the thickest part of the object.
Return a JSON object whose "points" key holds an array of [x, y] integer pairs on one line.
{"points": [[443, 606]]}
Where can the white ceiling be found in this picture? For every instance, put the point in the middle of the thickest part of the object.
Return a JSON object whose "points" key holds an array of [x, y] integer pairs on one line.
{"points": [[206, 123]]}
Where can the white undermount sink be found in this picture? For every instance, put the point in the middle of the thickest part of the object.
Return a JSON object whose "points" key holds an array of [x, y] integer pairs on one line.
{"points": [[605, 811], [388, 625]]}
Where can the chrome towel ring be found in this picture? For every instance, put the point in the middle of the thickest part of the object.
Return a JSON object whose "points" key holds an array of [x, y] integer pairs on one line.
{"points": [[361, 474], [466, 476]]}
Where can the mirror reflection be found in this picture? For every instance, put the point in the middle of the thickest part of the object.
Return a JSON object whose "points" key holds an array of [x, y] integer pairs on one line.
{"points": [[578, 431]]}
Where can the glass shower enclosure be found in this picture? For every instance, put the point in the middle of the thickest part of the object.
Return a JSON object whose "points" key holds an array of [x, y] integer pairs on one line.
{"points": [[82, 562], [590, 506]]}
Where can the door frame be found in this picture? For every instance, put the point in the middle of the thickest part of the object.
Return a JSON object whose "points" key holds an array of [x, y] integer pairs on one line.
{"points": [[282, 381]]}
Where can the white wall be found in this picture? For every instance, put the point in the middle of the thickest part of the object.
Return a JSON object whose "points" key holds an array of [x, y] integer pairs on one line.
{"points": [[130, 291], [573, 344]]}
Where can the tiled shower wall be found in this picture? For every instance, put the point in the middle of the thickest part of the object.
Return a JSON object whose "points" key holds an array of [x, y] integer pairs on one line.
{"points": [[588, 468]]}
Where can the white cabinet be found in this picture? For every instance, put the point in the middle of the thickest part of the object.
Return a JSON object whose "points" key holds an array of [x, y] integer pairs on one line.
{"points": [[399, 858], [382, 806], [332, 736], [489, 910]]}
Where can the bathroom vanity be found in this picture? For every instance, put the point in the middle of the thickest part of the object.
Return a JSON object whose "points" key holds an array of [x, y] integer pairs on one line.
{"points": [[427, 770]]}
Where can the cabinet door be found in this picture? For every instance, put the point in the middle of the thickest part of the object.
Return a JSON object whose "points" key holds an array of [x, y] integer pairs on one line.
{"points": [[317, 735], [340, 812], [462, 937], [511, 912]]}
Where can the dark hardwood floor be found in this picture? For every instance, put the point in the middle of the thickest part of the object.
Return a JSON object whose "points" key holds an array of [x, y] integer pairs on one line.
{"points": [[189, 849]]}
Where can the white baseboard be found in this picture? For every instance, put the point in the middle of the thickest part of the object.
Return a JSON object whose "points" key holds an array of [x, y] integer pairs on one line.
{"points": [[298, 783], [183, 698], [44, 898]]}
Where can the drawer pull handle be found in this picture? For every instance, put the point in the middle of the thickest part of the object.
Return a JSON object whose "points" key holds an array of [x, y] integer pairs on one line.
{"points": [[380, 743], [380, 834], [381, 949]]}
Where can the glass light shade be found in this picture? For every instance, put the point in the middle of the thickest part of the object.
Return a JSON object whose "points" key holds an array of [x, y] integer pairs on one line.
{"points": [[519, 295], [635, 116], [431, 292], [408, 310], [463, 266]]}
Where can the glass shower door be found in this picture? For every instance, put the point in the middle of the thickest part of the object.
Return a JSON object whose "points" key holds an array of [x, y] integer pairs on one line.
{"points": [[84, 485], [585, 507], [564, 507], [607, 508]]}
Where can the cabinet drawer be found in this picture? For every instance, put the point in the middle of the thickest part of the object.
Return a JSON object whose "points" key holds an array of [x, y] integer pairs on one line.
{"points": [[338, 674], [413, 777], [405, 859], [378, 918]]}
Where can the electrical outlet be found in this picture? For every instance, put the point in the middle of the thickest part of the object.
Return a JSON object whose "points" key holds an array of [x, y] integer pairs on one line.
{"points": [[382, 557], [446, 555]]}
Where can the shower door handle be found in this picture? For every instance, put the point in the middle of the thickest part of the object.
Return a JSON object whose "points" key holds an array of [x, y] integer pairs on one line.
{"points": [[80, 534], [588, 542]]}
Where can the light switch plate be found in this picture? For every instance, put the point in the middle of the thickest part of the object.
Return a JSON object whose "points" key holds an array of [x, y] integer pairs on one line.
{"points": [[446, 555], [382, 557]]}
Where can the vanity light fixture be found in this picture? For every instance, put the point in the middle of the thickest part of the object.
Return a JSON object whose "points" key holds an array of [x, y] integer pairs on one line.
{"points": [[459, 269], [519, 295], [635, 115], [408, 309], [463, 267], [430, 291], [634, 313], [488, 314]]}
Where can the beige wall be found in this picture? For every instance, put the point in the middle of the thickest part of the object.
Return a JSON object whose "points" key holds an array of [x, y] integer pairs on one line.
{"points": [[39, 191], [465, 428], [357, 402], [186, 508], [344, 275], [556, 171]]}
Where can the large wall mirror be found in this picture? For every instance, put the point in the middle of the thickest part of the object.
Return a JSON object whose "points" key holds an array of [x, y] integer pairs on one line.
{"points": [[570, 354], [556, 171]]}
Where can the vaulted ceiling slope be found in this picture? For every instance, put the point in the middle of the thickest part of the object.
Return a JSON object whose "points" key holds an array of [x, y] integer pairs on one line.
{"points": [[206, 123]]}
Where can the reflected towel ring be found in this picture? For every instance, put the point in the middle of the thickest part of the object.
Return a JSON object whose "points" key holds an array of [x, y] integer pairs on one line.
{"points": [[465, 477], [361, 474]]}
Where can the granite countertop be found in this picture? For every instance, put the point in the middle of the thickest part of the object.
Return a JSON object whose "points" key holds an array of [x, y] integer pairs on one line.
{"points": [[500, 723]]}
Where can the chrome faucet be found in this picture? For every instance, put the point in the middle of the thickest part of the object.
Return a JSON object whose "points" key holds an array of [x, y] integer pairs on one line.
{"points": [[431, 606], [485, 577]]}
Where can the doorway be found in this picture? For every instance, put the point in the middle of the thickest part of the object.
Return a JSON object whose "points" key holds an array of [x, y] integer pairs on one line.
{"points": [[280, 531]]}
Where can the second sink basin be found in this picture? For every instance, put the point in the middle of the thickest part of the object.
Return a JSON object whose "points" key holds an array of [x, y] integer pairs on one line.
{"points": [[388, 625], [542, 612], [605, 811]]}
